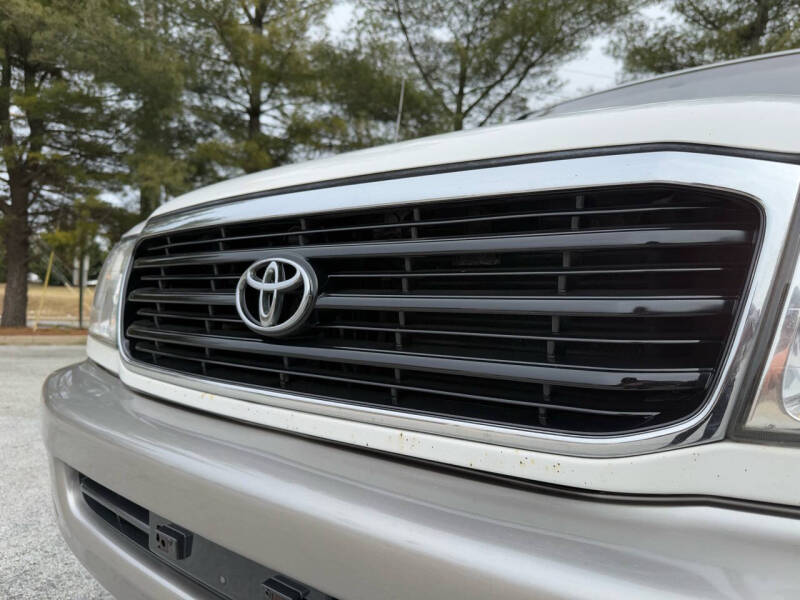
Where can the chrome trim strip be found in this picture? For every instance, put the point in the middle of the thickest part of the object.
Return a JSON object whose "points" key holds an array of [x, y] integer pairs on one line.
{"points": [[773, 186], [103, 353]]}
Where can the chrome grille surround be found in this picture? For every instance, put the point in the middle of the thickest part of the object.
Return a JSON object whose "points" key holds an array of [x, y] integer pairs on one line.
{"points": [[702, 172]]}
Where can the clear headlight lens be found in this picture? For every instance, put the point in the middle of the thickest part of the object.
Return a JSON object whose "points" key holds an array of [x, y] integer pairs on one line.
{"points": [[103, 322], [776, 407], [791, 373]]}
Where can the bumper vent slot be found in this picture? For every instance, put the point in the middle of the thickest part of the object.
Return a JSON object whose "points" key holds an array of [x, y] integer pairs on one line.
{"points": [[225, 574], [128, 518], [595, 312]]}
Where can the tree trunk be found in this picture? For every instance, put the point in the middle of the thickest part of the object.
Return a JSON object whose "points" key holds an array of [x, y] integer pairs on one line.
{"points": [[458, 115], [15, 302], [758, 27], [148, 201], [255, 109], [254, 118], [253, 161]]}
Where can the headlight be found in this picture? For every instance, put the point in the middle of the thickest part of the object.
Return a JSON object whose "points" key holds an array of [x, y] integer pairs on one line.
{"points": [[776, 409], [103, 322]]}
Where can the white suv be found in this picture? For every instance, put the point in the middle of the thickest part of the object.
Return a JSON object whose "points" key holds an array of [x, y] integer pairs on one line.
{"points": [[554, 359]]}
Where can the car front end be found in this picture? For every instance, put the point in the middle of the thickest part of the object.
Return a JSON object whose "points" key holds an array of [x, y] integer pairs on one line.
{"points": [[555, 359]]}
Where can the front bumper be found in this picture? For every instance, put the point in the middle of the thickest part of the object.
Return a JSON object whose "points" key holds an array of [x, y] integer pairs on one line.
{"points": [[360, 526]]}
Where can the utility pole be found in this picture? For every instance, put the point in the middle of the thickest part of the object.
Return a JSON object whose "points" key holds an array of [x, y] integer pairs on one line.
{"points": [[44, 289], [82, 268], [399, 111]]}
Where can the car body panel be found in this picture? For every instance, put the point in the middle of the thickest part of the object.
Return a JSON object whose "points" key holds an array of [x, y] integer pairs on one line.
{"points": [[766, 74], [360, 526], [363, 508], [703, 122]]}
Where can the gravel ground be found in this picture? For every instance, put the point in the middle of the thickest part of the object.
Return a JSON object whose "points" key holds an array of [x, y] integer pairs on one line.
{"points": [[35, 563]]}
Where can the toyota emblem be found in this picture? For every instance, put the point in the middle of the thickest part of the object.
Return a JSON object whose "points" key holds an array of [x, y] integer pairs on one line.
{"points": [[275, 295]]}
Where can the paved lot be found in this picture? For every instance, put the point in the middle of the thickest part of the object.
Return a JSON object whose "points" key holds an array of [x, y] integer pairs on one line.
{"points": [[34, 561]]}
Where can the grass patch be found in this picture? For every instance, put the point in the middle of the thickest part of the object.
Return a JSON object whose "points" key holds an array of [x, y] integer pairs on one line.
{"points": [[42, 331], [60, 302]]}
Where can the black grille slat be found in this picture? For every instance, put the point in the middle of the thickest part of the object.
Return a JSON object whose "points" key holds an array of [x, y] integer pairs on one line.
{"points": [[388, 383], [577, 272], [492, 334], [179, 296], [579, 240], [418, 224], [554, 305], [188, 277], [145, 312], [594, 312], [494, 369]]}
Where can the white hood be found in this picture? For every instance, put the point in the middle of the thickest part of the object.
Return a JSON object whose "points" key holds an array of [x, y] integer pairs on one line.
{"points": [[767, 124]]}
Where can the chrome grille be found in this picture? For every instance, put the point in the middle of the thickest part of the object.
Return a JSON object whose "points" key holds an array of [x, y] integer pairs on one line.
{"points": [[597, 312]]}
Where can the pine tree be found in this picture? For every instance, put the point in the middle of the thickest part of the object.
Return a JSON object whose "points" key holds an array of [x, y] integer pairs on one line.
{"points": [[149, 75], [250, 77], [484, 60], [357, 100], [699, 32], [56, 135]]}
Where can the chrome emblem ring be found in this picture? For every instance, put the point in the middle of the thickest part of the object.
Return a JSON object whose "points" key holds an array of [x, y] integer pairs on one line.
{"points": [[282, 288]]}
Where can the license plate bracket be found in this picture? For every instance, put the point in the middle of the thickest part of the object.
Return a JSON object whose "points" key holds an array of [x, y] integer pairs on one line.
{"points": [[222, 571]]}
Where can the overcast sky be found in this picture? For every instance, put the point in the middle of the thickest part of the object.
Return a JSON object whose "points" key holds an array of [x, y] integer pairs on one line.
{"points": [[596, 70], [592, 72]]}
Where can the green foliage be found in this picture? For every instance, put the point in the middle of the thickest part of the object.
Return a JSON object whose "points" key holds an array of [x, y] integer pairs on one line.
{"points": [[705, 31], [148, 74], [361, 85], [74, 241], [250, 75], [482, 60], [89, 226], [146, 99], [58, 130]]}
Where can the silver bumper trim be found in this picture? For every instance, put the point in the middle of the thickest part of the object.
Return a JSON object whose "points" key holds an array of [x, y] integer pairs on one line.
{"points": [[361, 527]]}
